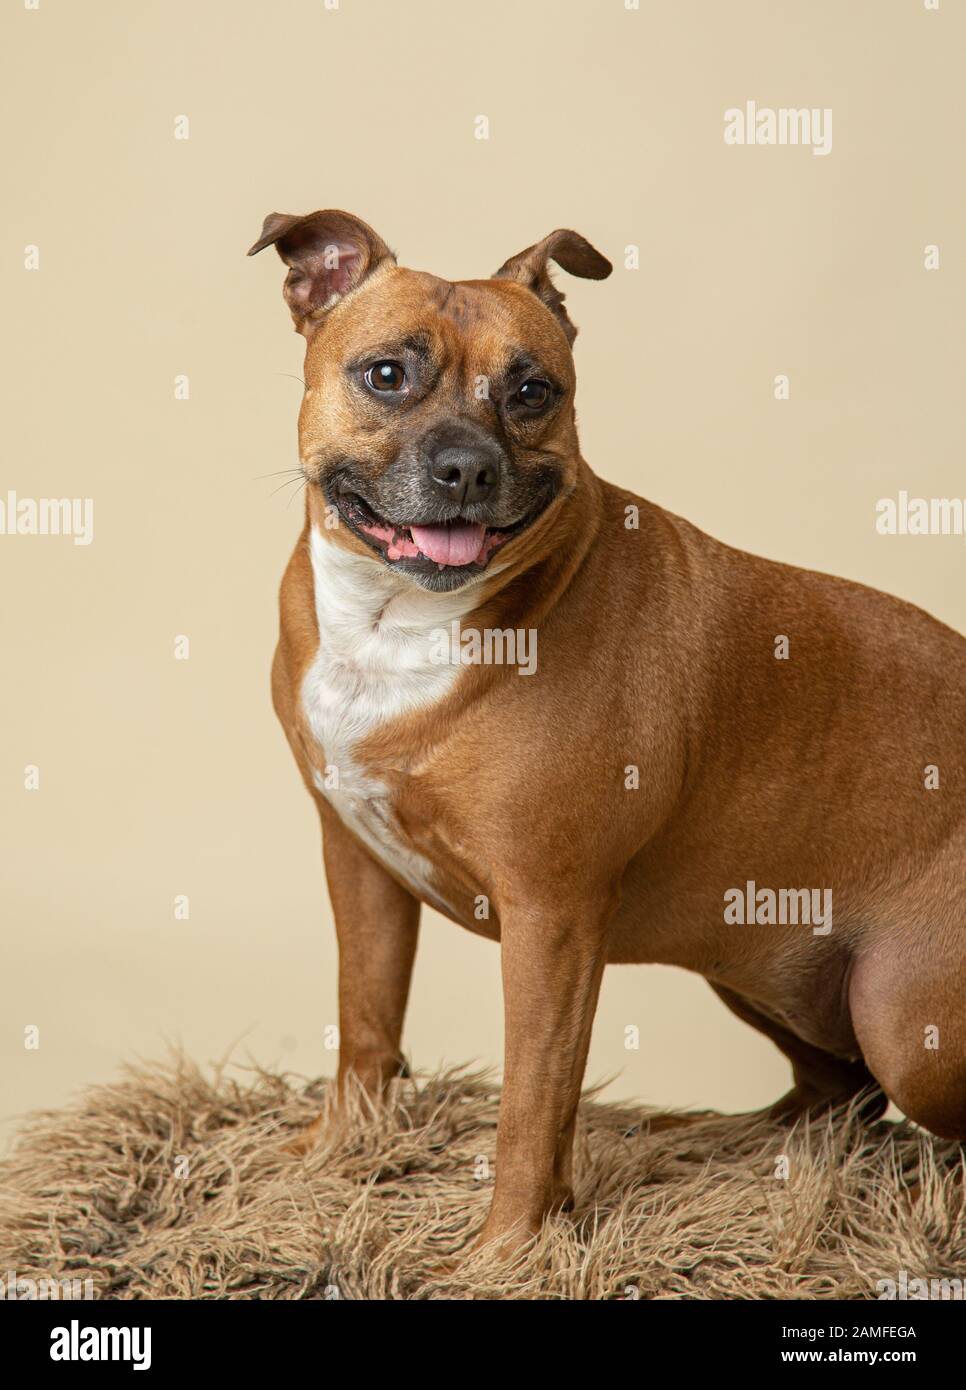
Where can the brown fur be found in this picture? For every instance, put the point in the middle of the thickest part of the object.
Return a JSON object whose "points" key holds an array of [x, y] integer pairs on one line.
{"points": [[656, 651]]}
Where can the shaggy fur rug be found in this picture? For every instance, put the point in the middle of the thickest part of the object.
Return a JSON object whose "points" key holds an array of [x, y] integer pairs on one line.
{"points": [[174, 1184]]}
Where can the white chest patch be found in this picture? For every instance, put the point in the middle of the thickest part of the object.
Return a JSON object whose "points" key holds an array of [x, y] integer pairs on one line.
{"points": [[375, 662]]}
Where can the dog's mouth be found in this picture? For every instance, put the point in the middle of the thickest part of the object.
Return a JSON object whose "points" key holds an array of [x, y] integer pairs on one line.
{"points": [[431, 546]]}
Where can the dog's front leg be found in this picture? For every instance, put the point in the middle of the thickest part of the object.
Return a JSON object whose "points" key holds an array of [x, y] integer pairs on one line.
{"points": [[552, 967], [377, 926]]}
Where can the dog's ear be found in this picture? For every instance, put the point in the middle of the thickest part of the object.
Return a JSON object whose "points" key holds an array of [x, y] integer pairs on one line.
{"points": [[328, 254], [570, 251]]}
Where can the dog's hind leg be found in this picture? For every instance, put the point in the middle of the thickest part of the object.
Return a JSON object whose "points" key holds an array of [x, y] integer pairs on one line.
{"points": [[906, 998], [821, 1079], [906, 995]]}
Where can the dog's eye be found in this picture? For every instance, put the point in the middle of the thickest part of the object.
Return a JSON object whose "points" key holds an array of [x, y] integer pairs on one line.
{"points": [[534, 393], [385, 376]]}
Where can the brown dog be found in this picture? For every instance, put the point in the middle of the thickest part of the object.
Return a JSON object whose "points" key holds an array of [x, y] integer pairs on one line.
{"points": [[717, 762]]}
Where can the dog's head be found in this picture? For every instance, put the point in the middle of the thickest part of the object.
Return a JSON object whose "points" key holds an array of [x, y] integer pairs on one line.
{"points": [[438, 417]]}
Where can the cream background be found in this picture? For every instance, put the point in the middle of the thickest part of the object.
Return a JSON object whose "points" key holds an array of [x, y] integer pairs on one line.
{"points": [[162, 777]]}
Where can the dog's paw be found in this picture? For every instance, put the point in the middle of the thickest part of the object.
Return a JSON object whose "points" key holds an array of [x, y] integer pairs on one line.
{"points": [[305, 1140]]}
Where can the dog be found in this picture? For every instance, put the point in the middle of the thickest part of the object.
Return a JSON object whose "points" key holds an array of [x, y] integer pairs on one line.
{"points": [[698, 722]]}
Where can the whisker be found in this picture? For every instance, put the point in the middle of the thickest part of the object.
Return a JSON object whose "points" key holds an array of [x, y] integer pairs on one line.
{"points": [[295, 494], [287, 483]]}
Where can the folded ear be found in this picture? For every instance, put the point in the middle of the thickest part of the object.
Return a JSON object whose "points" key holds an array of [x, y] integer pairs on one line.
{"points": [[570, 251], [328, 254]]}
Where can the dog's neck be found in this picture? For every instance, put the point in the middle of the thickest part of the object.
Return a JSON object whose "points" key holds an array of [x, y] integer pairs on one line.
{"points": [[378, 623]]}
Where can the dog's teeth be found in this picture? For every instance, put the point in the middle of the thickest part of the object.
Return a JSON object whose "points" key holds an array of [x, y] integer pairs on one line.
{"points": [[439, 566]]}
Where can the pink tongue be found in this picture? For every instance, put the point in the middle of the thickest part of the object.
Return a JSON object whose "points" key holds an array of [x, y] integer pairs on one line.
{"points": [[458, 544]]}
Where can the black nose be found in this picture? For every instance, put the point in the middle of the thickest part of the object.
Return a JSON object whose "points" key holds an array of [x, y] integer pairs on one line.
{"points": [[464, 473]]}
